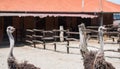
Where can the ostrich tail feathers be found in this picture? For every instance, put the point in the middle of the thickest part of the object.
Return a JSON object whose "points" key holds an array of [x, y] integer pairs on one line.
{"points": [[26, 65], [102, 64]]}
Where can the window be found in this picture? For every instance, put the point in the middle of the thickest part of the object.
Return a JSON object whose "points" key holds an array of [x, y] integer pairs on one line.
{"points": [[116, 16]]}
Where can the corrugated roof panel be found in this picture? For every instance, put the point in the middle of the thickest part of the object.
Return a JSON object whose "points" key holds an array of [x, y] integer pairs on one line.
{"points": [[58, 6]]}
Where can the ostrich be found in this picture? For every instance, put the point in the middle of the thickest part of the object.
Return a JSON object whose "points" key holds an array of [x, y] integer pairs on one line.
{"points": [[88, 56], [93, 59], [99, 62], [12, 63]]}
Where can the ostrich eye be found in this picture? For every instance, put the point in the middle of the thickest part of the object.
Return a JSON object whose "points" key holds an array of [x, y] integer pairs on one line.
{"points": [[8, 28], [100, 28]]}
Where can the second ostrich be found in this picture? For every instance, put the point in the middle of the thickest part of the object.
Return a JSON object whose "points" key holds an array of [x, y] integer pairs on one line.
{"points": [[12, 62], [99, 62], [93, 59]]}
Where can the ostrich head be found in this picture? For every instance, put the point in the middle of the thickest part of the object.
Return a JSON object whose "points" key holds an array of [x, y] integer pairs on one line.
{"points": [[101, 28], [10, 30], [82, 36]]}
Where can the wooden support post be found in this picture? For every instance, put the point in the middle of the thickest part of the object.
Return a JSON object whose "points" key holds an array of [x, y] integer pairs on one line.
{"points": [[119, 48], [61, 34], [44, 40], [44, 46], [33, 38], [67, 46], [55, 46], [119, 42], [55, 39], [113, 39], [34, 44]]}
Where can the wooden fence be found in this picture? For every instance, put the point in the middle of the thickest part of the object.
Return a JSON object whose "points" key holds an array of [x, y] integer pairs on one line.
{"points": [[40, 36]]}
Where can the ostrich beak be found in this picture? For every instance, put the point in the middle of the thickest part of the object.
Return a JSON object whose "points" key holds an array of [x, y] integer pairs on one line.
{"points": [[13, 29], [104, 29]]}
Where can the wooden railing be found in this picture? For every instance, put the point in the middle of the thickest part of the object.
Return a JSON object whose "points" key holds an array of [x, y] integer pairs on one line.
{"points": [[35, 36]]}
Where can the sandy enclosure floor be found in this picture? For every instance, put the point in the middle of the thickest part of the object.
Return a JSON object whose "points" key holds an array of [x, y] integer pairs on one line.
{"points": [[49, 59]]}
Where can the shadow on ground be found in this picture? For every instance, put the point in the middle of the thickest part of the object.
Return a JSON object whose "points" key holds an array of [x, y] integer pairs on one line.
{"points": [[6, 44]]}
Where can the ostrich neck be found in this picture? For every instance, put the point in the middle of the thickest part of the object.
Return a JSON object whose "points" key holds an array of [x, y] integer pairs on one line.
{"points": [[82, 38], [101, 41], [11, 39], [83, 45]]}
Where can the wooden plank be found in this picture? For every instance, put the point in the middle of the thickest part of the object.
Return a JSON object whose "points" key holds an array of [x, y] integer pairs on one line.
{"points": [[93, 27], [29, 30], [72, 32], [37, 36], [73, 47], [91, 30], [56, 36], [29, 41], [37, 30], [111, 32], [72, 39], [30, 36], [47, 31], [37, 41], [47, 38], [55, 30]]}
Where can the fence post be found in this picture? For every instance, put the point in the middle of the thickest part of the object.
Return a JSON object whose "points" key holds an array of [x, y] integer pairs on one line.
{"points": [[61, 34], [119, 39]]}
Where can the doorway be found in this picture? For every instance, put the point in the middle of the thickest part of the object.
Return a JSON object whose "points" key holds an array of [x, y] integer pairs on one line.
{"points": [[62, 22], [7, 22]]}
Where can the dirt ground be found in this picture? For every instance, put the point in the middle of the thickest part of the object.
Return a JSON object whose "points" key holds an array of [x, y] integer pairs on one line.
{"points": [[50, 59]]}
